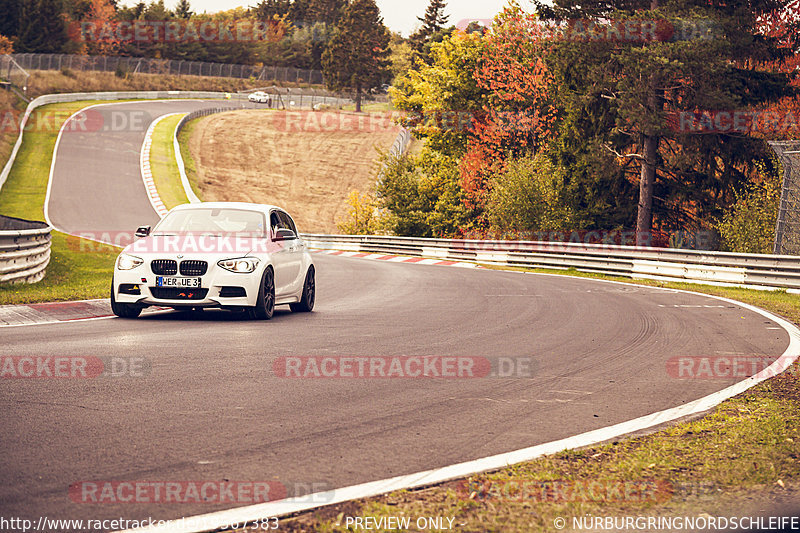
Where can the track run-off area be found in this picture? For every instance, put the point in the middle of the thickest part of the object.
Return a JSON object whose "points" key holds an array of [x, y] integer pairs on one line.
{"points": [[206, 404]]}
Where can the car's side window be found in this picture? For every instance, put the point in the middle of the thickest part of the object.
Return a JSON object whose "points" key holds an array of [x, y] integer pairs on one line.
{"points": [[288, 223], [275, 223]]}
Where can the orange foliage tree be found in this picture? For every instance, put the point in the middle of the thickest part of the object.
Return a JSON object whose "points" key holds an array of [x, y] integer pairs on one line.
{"points": [[517, 115]]}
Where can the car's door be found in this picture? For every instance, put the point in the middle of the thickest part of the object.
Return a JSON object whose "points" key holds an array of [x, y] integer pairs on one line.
{"points": [[281, 256], [296, 249]]}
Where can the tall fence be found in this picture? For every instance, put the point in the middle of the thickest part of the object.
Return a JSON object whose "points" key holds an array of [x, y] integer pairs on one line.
{"points": [[787, 230], [173, 67], [13, 73]]}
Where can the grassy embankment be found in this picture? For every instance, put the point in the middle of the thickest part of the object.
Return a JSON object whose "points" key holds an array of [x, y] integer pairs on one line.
{"points": [[78, 269], [163, 165]]}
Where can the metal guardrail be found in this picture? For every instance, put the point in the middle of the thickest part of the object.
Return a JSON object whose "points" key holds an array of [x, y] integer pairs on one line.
{"points": [[769, 272], [24, 250], [398, 149]]}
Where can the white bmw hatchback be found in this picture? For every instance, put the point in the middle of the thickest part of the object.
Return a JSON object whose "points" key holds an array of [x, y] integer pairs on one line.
{"points": [[232, 256]]}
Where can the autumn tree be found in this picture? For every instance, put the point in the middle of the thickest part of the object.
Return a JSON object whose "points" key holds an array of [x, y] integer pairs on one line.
{"points": [[517, 112], [357, 55], [6, 45]]}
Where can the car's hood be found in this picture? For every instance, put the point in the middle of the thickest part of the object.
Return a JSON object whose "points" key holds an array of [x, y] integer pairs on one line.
{"points": [[207, 247]]}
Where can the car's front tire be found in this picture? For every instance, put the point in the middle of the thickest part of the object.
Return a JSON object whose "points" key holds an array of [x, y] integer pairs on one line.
{"points": [[309, 296], [124, 310], [265, 305]]}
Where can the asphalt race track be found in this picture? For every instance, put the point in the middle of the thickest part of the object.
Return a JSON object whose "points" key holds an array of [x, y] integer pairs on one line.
{"points": [[211, 408]]}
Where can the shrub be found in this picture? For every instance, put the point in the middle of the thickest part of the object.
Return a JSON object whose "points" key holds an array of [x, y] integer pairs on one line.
{"points": [[365, 216], [528, 196], [424, 195], [748, 226]]}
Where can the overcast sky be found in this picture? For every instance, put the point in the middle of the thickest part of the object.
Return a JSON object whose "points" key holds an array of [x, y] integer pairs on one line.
{"points": [[399, 15]]}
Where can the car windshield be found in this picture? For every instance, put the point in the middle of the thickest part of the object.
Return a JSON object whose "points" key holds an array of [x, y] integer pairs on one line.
{"points": [[219, 222]]}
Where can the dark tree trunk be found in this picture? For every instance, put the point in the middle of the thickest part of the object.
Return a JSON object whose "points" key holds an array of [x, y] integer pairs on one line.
{"points": [[644, 220], [358, 98], [647, 180]]}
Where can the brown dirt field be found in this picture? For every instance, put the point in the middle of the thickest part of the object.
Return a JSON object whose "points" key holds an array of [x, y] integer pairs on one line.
{"points": [[309, 170]]}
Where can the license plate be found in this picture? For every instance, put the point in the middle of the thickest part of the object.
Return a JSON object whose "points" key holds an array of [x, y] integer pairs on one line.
{"points": [[181, 283]]}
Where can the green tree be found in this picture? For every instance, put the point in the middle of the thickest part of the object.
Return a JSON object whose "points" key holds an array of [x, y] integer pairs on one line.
{"points": [[9, 21], [268, 9], [639, 83], [42, 27], [529, 196], [357, 55], [423, 194], [433, 22], [183, 10]]}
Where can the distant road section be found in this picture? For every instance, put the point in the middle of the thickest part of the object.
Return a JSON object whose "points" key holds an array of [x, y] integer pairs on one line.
{"points": [[96, 185], [308, 162]]}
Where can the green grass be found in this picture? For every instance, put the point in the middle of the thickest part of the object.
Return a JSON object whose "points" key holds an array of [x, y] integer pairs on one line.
{"points": [[78, 269], [747, 446], [188, 161], [163, 165]]}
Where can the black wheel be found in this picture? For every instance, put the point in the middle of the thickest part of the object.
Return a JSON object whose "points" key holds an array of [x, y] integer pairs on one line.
{"points": [[265, 307], [306, 303], [124, 310]]}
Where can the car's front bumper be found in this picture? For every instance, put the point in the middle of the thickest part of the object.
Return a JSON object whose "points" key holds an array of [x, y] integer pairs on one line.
{"points": [[218, 288]]}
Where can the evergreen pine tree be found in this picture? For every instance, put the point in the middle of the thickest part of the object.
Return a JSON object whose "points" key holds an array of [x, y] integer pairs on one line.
{"points": [[183, 10], [433, 22], [631, 87], [357, 55]]}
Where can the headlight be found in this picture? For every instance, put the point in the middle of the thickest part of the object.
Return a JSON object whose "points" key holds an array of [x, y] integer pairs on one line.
{"points": [[128, 262], [240, 266]]}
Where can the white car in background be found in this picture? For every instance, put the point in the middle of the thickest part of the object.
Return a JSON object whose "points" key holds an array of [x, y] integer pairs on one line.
{"points": [[236, 256], [259, 97]]}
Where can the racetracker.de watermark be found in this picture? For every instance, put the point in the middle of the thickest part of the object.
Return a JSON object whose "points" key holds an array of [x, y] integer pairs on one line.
{"points": [[725, 367], [178, 243], [180, 31], [583, 491], [632, 30], [189, 492], [73, 367], [402, 367], [740, 122], [109, 120]]}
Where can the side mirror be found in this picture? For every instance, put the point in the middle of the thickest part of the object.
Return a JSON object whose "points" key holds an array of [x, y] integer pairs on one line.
{"points": [[143, 231], [285, 235]]}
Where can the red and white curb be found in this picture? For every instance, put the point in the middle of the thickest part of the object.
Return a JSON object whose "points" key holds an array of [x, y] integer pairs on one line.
{"points": [[59, 313], [398, 258], [147, 174]]}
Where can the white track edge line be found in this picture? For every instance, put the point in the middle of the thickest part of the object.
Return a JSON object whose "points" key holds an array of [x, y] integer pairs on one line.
{"points": [[213, 521], [144, 168], [187, 187]]}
